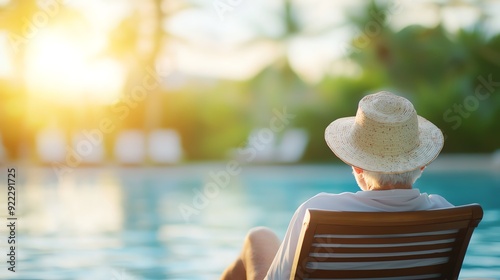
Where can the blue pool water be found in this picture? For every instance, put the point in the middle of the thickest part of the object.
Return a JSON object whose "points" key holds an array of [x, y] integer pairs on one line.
{"points": [[174, 223]]}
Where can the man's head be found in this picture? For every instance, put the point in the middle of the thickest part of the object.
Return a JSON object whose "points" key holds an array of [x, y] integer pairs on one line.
{"points": [[374, 181], [387, 143]]}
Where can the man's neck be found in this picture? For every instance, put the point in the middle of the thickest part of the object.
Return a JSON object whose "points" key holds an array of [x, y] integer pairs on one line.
{"points": [[391, 187]]}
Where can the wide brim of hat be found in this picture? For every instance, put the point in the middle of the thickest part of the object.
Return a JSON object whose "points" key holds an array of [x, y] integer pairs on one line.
{"points": [[338, 138]]}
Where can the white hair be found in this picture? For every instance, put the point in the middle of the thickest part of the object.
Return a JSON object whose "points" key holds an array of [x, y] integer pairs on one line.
{"points": [[376, 179]]}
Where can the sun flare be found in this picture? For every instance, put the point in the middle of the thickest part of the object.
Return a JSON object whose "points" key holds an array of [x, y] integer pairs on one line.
{"points": [[63, 70]]}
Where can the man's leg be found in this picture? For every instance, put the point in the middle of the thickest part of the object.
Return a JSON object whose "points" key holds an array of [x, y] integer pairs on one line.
{"points": [[259, 249]]}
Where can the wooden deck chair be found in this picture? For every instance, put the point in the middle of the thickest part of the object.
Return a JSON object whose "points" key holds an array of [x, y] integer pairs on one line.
{"points": [[427, 244]]}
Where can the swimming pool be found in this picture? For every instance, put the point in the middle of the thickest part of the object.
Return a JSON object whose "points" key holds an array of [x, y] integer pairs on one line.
{"points": [[175, 223]]}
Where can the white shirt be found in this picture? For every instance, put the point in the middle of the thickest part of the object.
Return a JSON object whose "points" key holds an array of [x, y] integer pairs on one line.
{"points": [[362, 201]]}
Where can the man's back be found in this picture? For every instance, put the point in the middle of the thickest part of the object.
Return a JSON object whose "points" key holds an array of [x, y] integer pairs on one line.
{"points": [[363, 201]]}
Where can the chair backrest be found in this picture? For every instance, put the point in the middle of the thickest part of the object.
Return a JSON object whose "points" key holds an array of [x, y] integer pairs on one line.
{"points": [[428, 244]]}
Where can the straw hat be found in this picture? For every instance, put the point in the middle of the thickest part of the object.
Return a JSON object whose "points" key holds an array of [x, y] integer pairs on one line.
{"points": [[386, 136]]}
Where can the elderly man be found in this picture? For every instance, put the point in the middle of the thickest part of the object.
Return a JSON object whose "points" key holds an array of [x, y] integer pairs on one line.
{"points": [[388, 146]]}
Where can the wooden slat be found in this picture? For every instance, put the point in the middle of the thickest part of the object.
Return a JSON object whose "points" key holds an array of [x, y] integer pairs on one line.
{"points": [[374, 273], [471, 212], [423, 276], [378, 258], [377, 229], [384, 240], [380, 249]]}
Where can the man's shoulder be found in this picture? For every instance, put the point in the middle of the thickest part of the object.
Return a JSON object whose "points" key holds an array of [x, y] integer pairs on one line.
{"points": [[332, 196], [439, 201], [330, 201]]}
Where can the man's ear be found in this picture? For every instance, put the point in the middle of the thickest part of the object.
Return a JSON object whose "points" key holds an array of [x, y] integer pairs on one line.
{"points": [[357, 170]]}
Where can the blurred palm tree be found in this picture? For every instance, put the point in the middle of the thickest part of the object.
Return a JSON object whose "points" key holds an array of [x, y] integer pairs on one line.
{"points": [[137, 42], [13, 132], [141, 41], [279, 84]]}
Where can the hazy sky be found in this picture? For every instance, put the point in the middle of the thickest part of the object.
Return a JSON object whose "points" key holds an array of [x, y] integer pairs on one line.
{"points": [[217, 34], [224, 38]]}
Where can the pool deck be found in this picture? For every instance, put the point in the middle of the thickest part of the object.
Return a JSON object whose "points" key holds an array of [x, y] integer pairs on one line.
{"points": [[466, 162]]}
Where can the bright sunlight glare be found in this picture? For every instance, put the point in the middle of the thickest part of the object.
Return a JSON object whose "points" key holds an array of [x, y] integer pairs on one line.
{"points": [[62, 70], [6, 67]]}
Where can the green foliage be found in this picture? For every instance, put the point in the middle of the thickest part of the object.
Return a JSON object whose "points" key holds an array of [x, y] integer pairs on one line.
{"points": [[453, 80], [437, 70], [209, 119]]}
